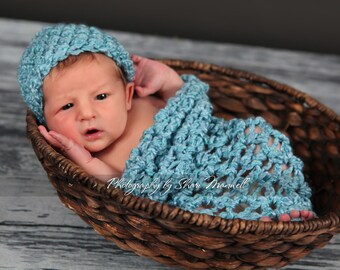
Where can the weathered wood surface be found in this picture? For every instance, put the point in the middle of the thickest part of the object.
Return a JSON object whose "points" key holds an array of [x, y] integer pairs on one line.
{"points": [[38, 232]]}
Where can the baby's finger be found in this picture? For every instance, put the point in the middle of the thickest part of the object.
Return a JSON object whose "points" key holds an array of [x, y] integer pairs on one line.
{"points": [[74, 151], [136, 58], [43, 130], [142, 91], [65, 142], [48, 137]]}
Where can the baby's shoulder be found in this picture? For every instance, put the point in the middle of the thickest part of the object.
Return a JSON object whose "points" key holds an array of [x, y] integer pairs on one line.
{"points": [[143, 110], [148, 102]]}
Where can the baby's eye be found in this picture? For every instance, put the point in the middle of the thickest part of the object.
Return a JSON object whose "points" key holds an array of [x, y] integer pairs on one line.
{"points": [[67, 106], [101, 96]]}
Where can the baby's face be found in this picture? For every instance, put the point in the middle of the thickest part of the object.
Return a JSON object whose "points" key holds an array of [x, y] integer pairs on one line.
{"points": [[88, 102]]}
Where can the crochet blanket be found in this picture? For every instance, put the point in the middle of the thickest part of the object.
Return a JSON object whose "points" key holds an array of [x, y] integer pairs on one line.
{"points": [[204, 164]]}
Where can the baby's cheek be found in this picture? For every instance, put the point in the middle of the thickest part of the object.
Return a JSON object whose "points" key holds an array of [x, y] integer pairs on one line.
{"points": [[68, 130]]}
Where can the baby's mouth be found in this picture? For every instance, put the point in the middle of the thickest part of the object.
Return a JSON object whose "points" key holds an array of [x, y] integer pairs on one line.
{"points": [[93, 134], [91, 131]]}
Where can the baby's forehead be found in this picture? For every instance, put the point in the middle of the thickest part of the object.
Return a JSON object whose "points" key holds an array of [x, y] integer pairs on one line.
{"points": [[83, 59], [78, 62]]}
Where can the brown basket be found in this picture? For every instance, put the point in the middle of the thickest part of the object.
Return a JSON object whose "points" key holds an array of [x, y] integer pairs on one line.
{"points": [[197, 241]]}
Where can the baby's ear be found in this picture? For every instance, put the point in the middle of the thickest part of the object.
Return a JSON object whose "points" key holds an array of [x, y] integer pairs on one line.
{"points": [[129, 90]]}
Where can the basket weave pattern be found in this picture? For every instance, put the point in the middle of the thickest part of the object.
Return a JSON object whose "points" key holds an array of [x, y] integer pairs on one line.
{"points": [[195, 241]]}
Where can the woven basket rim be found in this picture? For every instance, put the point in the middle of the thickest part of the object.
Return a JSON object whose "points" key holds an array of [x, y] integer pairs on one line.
{"points": [[232, 72], [171, 213]]}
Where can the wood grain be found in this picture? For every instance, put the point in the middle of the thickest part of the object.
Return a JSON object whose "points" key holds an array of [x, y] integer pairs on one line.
{"points": [[38, 232]]}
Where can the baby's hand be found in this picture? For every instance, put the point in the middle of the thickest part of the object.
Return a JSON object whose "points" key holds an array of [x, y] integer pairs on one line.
{"points": [[78, 154], [153, 76]]}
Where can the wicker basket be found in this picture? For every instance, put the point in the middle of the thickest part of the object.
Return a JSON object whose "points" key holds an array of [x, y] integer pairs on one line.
{"points": [[195, 241]]}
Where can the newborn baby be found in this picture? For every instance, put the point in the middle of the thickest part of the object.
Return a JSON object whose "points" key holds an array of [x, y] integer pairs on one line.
{"points": [[90, 108], [80, 83]]}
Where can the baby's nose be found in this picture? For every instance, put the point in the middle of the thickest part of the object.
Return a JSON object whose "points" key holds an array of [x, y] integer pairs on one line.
{"points": [[87, 112]]}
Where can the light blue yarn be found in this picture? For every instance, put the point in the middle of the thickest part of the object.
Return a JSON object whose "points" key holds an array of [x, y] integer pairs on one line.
{"points": [[186, 141], [54, 44]]}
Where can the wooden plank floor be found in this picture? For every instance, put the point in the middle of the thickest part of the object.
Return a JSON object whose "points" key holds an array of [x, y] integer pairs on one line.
{"points": [[38, 232]]}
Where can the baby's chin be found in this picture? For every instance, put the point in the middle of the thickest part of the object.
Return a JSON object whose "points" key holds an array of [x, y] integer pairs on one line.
{"points": [[96, 148]]}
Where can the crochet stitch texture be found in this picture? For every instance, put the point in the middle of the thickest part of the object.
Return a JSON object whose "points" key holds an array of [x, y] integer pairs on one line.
{"points": [[54, 44], [187, 152]]}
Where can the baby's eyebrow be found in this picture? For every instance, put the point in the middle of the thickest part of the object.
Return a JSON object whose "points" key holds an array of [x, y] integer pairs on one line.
{"points": [[57, 99], [106, 86]]}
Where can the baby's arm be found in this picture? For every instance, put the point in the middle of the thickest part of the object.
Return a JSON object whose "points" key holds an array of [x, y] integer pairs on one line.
{"points": [[153, 76], [79, 155]]}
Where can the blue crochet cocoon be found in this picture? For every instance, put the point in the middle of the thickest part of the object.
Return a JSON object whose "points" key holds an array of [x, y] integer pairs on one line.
{"points": [[204, 164]]}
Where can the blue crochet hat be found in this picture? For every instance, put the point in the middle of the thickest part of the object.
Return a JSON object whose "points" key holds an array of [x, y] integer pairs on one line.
{"points": [[54, 44]]}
